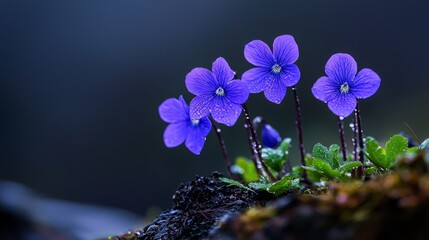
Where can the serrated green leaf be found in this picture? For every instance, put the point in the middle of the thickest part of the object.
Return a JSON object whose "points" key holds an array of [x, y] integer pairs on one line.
{"points": [[350, 165], [325, 169], [320, 151], [235, 183], [274, 158], [249, 172], [283, 185], [396, 146], [425, 144], [333, 155]]}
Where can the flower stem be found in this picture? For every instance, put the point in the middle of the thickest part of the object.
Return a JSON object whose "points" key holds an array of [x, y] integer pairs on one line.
{"points": [[223, 148], [343, 142], [299, 129], [355, 142], [255, 146], [361, 143]]}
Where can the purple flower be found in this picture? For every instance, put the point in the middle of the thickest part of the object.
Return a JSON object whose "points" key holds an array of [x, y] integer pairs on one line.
{"points": [[216, 93], [275, 71], [270, 137], [342, 87], [182, 128]]}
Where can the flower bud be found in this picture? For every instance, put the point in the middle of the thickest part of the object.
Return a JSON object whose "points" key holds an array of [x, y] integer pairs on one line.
{"points": [[270, 137]]}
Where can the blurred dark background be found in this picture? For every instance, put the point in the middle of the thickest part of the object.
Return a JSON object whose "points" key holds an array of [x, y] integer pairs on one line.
{"points": [[81, 82]]}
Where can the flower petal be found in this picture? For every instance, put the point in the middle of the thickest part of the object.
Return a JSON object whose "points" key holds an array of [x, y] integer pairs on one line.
{"points": [[366, 83], [225, 112], [343, 105], [259, 54], [285, 50], [197, 136], [200, 81], [290, 75], [222, 71], [173, 110], [341, 67], [324, 89], [200, 106], [255, 78], [175, 133], [275, 89], [237, 91]]}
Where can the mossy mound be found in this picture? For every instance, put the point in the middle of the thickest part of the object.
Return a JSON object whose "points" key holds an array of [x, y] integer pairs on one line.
{"points": [[393, 206]]}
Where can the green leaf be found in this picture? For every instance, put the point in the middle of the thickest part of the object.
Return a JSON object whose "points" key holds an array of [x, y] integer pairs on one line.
{"points": [[320, 151], [412, 150], [370, 170], [274, 158], [396, 146], [235, 183], [283, 185], [350, 165], [375, 153], [325, 169], [285, 145], [259, 185], [425, 144], [333, 155], [248, 169], [329, 155]]}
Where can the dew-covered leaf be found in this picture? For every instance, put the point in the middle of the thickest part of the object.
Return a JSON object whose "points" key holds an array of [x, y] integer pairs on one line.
{"points": [[396, 146], [375, 153], [333, 155], [274, 158], [325, 169], [235, 183], [285, 184], [350, 165]]}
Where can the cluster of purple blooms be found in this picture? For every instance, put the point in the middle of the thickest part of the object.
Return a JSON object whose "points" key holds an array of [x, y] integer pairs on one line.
{"points": [[220, 96]]}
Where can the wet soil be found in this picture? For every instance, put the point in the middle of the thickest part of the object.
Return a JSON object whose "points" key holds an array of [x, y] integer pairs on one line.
{"points": [[197, 206]]}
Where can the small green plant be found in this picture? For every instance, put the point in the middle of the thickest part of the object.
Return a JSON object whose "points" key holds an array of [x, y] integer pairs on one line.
{"points": [[324, 164], [385, 158]]}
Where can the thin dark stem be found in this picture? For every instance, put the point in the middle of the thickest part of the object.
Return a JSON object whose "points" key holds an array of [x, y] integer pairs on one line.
{"points": [[361, 143], [254, 145], [299, 129], [223, 148], [343, 142], [355, 141]]}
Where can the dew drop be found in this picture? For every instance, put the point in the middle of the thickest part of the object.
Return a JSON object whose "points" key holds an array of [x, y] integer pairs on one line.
{"points": [[341, 118], [218, 130]]}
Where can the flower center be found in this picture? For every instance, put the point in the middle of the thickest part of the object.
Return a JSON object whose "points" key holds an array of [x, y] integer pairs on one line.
{"points": [[195, 122], [220, 91], [344, 88], [276, 68]]}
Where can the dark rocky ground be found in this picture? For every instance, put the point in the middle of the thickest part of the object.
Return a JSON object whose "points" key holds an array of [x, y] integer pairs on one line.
{"points": [[197, 207], [393, 206]]}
